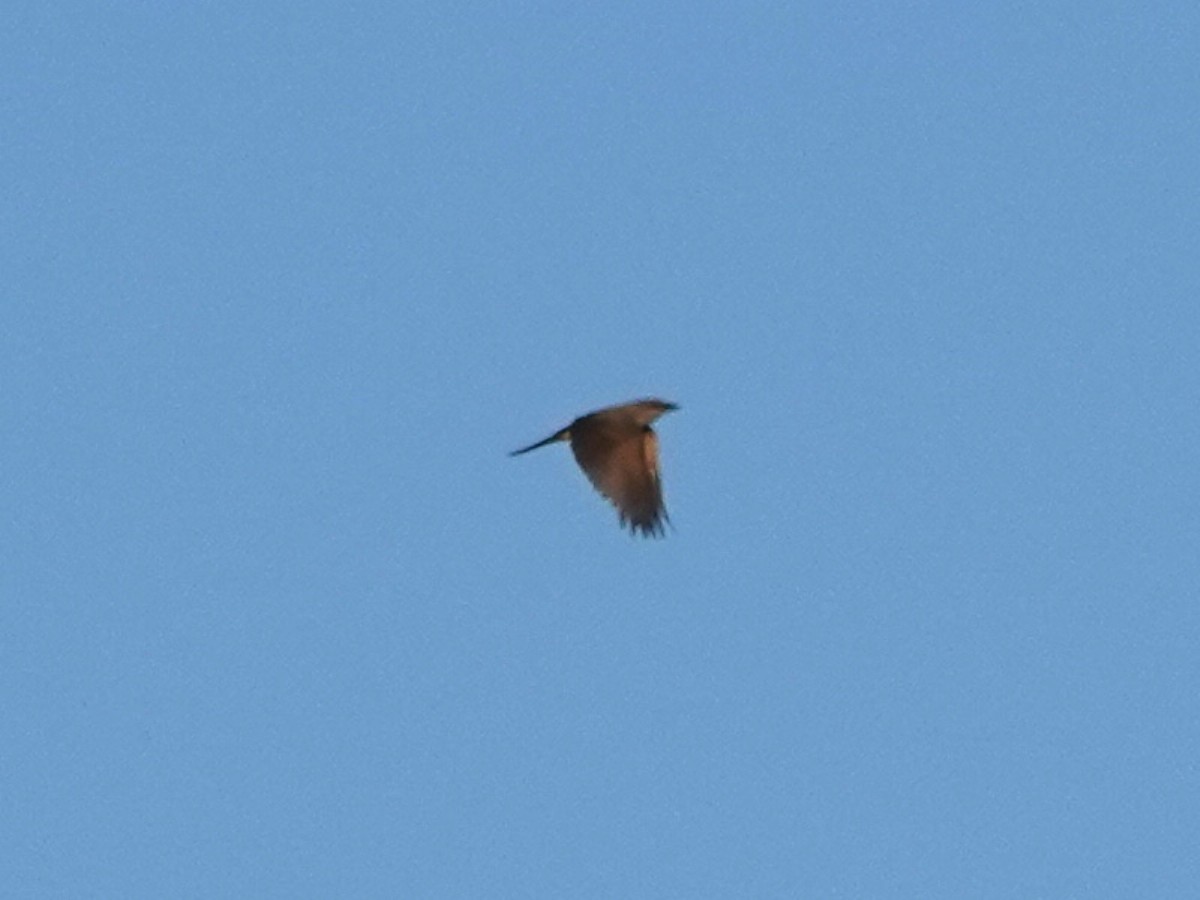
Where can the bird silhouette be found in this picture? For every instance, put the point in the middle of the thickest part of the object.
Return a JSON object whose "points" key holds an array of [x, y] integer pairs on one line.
{"points": [[618, 451]]}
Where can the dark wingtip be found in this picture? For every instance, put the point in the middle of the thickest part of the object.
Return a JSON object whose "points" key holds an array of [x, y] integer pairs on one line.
{"points": [[557, 436], [653, 528]]}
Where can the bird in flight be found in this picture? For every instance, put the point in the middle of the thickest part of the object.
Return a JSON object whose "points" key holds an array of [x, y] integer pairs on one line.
{"points": [[618, 452]]}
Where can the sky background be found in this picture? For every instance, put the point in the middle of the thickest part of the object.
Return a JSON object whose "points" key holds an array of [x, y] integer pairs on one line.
{"points": [[284, 283]]}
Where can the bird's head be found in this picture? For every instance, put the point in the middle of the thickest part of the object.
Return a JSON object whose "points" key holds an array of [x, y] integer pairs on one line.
{"points": [[651, 408]]}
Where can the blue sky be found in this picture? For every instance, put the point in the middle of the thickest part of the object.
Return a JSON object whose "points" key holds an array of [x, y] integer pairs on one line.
{"points": [[283, 286]]}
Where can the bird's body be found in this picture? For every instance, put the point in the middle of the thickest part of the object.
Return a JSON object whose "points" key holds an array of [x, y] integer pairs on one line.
{"points": [[618, 451]]}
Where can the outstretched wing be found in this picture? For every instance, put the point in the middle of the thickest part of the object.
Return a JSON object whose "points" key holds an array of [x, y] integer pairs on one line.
{"points": [[562, 435], [623, 466]]}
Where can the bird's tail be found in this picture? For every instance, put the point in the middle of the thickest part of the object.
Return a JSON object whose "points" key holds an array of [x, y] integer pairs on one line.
{"points": [[563, 435]]}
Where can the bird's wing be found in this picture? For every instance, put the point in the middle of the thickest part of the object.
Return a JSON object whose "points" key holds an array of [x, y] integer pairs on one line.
{"points": [[624, 468], [562, 435]]}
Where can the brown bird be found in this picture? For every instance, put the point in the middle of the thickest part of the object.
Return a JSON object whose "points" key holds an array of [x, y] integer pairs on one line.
{"points": [[618, 451]]}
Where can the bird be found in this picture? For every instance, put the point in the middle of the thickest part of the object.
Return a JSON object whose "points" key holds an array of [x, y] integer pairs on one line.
{"points": [[618, 452]]}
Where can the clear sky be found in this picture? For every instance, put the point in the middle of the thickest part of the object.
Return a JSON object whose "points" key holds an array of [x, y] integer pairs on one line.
{"points": [[283, 283]]}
